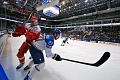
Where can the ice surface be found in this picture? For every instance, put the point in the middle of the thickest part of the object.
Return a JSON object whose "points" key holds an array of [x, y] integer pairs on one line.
{"points": [[65, 70]]}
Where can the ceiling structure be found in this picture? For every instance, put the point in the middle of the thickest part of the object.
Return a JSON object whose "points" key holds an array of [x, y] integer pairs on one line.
{"points": [[75, 11]]}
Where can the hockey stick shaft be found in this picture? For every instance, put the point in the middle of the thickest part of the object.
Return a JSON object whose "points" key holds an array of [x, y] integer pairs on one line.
{"points": [[33, 10], [28, 18], [70, 44], [104, 58]]}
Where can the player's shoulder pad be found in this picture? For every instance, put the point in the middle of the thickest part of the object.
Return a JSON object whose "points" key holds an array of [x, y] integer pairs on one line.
{"points": [[49, 41], [37, 28], [27, 25]]}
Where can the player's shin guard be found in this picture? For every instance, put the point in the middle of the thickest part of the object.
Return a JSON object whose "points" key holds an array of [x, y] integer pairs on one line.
{"points": [[21, 62], [30, 74], [29, 65], [62, 44], [26, 68], [21, 58], [35, 69]]}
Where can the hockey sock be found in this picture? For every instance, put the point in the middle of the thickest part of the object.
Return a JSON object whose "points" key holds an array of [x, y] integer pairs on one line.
{"points": [[30, 63], [32, 72]]}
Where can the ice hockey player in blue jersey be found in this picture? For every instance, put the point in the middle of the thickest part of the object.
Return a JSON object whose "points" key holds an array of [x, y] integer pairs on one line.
{"points": [[65, 41], [36, 51]]}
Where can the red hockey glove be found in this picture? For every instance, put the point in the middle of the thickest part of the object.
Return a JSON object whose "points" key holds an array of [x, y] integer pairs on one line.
{"points": [[15, 34], [20, 30]]}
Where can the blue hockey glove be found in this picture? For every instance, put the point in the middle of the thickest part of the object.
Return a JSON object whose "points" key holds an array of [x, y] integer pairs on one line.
{"points": [[57, 57]]}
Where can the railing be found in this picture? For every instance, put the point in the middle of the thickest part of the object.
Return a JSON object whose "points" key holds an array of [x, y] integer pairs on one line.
{"points": [[3, 38]]}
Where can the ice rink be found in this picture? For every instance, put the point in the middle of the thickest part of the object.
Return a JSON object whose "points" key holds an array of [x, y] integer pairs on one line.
{"points": [[65, 70]]}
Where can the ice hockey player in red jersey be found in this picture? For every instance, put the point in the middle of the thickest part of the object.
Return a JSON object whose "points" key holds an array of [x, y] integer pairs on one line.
{"points": [[32, 32]]}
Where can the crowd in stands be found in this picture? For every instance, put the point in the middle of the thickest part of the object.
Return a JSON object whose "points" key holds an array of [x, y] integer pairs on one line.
{"points": [[104, 34]]}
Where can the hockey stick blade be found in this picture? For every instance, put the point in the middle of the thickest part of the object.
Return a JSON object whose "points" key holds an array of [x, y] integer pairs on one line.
{"points": [[104, 58]]}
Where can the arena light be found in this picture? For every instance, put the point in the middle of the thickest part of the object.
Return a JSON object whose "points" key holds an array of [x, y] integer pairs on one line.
{"points": [[43, 18], [63, 3], [5, 2], [86, 0], [75, 4]]}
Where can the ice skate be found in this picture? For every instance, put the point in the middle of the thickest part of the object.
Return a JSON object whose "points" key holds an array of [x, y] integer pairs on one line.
{"points": [[26, 68], [20, 65], [27, 77]]}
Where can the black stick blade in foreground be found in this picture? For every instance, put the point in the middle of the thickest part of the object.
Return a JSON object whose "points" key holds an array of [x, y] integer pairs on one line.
{"points": [[104, 58]]}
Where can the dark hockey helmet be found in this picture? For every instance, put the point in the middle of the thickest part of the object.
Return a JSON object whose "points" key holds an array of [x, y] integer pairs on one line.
{"points": [[57, 31]]}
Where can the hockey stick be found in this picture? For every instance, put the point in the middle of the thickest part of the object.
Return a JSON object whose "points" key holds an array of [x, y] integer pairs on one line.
{"points": [[69, 44], [104, 58], [28, 17]]}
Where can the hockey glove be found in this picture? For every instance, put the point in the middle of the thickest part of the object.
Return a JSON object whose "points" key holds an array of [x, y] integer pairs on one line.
{"points": [[20, 30], [57, 57], [15, 34]]}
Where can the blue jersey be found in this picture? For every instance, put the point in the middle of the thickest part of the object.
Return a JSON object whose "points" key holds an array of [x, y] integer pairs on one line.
{"points": [[36, 50], [49, 41], [45, 44]]}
